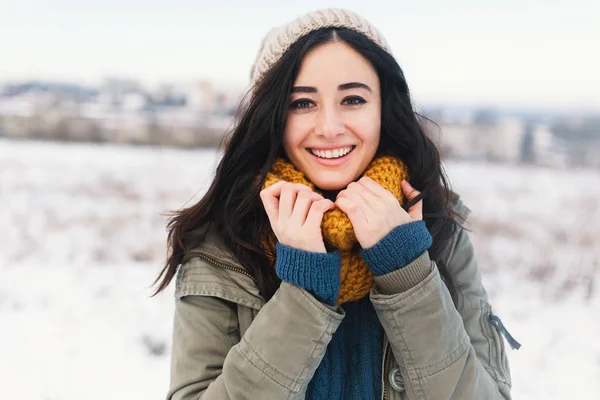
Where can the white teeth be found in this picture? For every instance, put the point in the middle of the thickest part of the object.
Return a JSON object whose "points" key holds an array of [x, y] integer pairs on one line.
{"points": [[335, 153]]}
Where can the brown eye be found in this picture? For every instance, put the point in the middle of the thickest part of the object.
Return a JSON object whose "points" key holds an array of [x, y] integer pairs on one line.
{"points": [[301, 104], [354, 100]]}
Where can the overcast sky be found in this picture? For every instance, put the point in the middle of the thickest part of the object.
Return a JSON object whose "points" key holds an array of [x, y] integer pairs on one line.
{"points": [[534, 53]]}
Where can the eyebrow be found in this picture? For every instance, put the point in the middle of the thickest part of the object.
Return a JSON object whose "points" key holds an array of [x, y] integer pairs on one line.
{"points": [[343, 86], [354, 85]]}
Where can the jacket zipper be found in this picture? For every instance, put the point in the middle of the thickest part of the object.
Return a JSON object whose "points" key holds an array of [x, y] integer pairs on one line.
{"points": [[497, 322], [211, 260], [386, 366]]}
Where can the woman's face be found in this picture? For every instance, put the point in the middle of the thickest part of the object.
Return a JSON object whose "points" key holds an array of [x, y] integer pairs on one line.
{"points": [[334, 119]]}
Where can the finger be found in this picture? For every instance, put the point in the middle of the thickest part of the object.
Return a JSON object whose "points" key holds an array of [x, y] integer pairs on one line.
{"points": [[409, 191], [316, 196], [300, 188], [287, 198], [374, 187], [275, 189], [271, 205], [303, 202], [317, 209], [355, 196], [352, 210], [416, 210], [374, 202]]}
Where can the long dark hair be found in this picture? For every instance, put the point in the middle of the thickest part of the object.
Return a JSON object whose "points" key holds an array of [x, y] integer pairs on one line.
{"points": [[232, 205]]}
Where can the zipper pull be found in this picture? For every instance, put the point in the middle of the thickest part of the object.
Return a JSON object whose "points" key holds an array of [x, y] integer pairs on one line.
{"points": [[497, 322]]}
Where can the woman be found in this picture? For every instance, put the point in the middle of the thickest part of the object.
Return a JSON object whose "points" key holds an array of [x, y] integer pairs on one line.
{"points": [[326, 260]]}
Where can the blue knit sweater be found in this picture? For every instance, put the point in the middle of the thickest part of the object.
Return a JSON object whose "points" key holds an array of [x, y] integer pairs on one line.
{"points": [[351, 367]]}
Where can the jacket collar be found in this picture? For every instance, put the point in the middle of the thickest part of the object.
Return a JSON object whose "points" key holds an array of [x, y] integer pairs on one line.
{"points": [[213, 247]]}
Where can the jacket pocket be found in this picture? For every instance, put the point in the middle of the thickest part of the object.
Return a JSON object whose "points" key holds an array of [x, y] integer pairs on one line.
{"points": [[493, 330]]}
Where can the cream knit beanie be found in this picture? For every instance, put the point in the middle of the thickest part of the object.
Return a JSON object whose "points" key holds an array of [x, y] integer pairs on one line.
{"points": [[280, 39]]}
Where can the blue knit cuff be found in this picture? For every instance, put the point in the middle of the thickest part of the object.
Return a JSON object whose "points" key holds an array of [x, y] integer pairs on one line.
{"points": [[397, 249], [318, 273]]}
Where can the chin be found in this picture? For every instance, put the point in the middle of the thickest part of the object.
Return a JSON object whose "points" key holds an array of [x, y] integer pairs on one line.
{"points": [[332, 184]]}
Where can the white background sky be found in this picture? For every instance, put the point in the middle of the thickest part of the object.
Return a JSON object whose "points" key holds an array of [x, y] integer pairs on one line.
{"points": [[534, 53]]}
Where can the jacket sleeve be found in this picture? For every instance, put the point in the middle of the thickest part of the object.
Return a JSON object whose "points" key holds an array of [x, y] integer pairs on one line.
{"points": [[444, 352], [275, 359]]}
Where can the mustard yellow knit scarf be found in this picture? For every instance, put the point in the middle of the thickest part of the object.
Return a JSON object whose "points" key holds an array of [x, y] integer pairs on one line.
{"points": [[338, 233]]}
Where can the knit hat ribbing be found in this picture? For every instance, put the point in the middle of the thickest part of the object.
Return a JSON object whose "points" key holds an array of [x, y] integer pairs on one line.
{"points": [[281, 38]]}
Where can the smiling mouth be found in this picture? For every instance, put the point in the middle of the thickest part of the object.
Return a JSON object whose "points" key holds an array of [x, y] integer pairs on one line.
{"points": [[332, 154]]}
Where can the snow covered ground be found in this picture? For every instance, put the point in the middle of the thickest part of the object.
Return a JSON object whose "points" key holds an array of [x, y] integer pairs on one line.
{"points": [[82, 239]]}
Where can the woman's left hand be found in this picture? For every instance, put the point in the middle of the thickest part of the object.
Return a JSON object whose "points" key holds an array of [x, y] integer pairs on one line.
{"points": [[374, 211]]}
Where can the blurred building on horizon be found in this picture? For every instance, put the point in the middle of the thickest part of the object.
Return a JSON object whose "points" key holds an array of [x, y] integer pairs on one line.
{"points": [[198, 114]]}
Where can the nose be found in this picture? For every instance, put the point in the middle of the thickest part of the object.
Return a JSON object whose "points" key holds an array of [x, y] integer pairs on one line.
{"points": [[329, 122]]}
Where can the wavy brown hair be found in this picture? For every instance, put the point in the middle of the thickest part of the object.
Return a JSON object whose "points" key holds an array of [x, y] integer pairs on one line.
{"points": [[232, 206]]}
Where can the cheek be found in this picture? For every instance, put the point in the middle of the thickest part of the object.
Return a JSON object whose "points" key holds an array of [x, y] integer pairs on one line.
{"points": [[291, 134], [369, 129], [375, 130], [288, 147], [372, 135], [288, 136], [296, 131]]}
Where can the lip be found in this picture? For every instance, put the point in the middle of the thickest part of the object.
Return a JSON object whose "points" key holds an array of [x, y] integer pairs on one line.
{"points": [[330, 162]]}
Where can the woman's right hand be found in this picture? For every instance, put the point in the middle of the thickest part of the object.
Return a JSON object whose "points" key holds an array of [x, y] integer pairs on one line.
{"points": [[295, 213]]}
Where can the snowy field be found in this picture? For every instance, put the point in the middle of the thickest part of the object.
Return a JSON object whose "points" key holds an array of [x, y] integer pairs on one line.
{"points": [[82, 239]]}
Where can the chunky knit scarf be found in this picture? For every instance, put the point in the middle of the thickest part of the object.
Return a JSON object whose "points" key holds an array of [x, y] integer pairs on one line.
{"points": [[338, 233]]}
